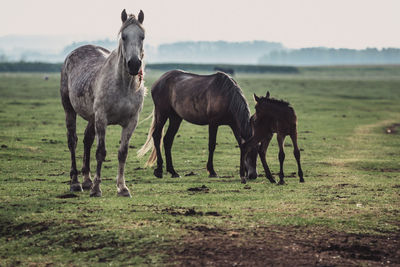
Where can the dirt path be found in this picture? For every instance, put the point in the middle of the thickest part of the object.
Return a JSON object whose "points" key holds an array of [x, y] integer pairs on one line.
{"points": [[358, 145], [284, 246]]}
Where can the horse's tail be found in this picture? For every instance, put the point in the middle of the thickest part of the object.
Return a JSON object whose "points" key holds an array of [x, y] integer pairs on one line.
{"points": [[149, 144]]}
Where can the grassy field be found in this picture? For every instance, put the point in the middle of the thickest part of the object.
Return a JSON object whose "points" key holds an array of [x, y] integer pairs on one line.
{"points": [[347, 212]]}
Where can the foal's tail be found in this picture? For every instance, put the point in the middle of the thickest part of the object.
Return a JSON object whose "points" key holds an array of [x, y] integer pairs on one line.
{"points": [[149, 144]]}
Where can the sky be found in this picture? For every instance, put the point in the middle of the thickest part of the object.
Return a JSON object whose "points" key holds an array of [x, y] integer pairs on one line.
{"points": [[295, 23]]}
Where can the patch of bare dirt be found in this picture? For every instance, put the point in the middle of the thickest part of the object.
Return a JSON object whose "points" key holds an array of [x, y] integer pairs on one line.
{"points": [[189, 212], [202, 188], [68, 195], [390, 170], [283, 246], [11, 231]]}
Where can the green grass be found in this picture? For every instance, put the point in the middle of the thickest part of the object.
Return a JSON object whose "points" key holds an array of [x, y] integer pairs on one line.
{"points": [[351, 169]]}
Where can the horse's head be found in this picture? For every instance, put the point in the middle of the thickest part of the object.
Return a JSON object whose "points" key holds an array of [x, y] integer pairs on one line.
{"points": [[131, 42], [250, 163], [260, 101]]}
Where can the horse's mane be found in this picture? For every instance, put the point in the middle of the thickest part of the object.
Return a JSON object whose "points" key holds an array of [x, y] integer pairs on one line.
{"points": [[278, 101], [238, 105], [130, 20]]}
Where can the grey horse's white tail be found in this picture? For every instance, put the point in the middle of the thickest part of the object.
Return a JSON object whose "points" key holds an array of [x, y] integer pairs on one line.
{"points": [[150, 144]]}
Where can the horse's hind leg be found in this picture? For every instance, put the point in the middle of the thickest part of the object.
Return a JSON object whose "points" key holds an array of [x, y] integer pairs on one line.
{"points": [[281, 139], [70, 120], [212, 138], [296, 153], [100, 127], [174, 123], [262, 149], [160, 120], [122, 189], [87, 143]]}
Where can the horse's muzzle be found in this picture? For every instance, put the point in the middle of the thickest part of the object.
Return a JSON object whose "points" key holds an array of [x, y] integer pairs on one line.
{"points": [[134, 66], [252, 175]]}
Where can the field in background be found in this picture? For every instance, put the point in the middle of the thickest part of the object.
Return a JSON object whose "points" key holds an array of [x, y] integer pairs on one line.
{"points": [[346, 213]]}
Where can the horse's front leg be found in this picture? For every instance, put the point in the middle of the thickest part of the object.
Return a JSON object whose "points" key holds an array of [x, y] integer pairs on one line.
{"points": [[100, 126], [212, 138], [122, 189], [236, 133]]}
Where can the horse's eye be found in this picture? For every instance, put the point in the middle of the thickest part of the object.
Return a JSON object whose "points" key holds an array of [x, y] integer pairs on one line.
{"points": [[123, 37]]}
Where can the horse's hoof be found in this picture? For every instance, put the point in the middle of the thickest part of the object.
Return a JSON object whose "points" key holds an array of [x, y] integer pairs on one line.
{"points": [[302, 181], [158, 173], [95, 193], [213, 175], [124, 193], [243, 180], [87, 184], [175, 175], [281, 182], [272, 180], [76, 187]]}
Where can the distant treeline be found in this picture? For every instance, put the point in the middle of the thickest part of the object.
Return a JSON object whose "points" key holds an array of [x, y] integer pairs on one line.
{"points": [[50, 67], [328, 56], [213, 52]]}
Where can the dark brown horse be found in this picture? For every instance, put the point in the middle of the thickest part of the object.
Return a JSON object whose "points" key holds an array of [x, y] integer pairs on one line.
{"points": [[273, 116], [212, 100]]}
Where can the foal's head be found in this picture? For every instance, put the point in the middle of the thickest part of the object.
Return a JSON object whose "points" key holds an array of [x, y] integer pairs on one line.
{"points": [[261, 101], [131, 41]]}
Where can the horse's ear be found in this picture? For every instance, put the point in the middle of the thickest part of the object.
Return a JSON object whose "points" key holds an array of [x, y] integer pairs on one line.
{"points": [[124, 16], [141, 17], [256, 98], [267, 95]]}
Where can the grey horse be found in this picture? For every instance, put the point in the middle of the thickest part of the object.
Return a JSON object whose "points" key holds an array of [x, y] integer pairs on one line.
{"points": [[104, 88]]}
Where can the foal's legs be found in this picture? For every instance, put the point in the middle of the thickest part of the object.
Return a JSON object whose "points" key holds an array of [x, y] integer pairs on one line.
{"points": [[262, 149], [174, 123], [296, 153], [160, 120], [87, 143], [122, 189], [212, 138], [281, 139], [100, 126], [70, 120]]}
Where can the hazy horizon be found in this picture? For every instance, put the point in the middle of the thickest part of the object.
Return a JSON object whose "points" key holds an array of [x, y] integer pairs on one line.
{"points": [[352, 24]]}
